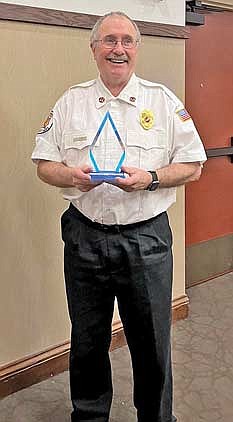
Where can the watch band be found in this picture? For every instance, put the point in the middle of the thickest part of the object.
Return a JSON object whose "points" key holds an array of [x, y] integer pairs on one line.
{"points": [[155, 181]]}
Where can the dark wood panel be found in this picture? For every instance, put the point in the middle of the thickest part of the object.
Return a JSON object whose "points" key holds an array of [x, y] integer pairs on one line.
{"points": [[33, 369], [163, 30], [40, 15]]}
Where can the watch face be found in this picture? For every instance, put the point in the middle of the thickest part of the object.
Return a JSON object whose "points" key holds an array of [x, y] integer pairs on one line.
{"points": [[154, 185]]}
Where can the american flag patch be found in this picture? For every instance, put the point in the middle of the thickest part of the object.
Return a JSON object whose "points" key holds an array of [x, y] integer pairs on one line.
{"points": [[183, 114]]}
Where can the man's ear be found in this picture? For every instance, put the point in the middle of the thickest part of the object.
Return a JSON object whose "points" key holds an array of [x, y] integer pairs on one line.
{"points": [[92, 47]]}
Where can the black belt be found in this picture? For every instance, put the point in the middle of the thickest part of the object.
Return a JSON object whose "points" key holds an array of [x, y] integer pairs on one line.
{"points": [[111, 228]]}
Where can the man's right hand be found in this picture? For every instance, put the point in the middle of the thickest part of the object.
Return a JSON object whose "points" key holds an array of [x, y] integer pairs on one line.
{"points": [[62, 176], [82, 179]]}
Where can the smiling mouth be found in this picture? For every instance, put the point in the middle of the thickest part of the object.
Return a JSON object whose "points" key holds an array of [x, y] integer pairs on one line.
{"points": [[117, 61]]}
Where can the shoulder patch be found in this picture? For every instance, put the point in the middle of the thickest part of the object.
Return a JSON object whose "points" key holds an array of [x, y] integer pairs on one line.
{"points": [[84, 84], [48, 123], [183, 114]]}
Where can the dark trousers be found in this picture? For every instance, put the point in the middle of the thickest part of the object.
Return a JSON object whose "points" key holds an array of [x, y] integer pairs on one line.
{"points": [[134, 264]]}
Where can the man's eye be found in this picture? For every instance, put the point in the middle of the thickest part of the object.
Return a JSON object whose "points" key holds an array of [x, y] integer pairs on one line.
{"points": [[127, 41], [109, 40]]}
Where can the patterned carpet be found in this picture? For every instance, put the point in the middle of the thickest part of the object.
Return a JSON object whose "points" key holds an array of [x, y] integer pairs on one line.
{"points": [[202, 366]]}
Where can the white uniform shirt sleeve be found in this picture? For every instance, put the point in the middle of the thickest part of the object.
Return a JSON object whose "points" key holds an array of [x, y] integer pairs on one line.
{"points": [[186, 143], [48, 139]]}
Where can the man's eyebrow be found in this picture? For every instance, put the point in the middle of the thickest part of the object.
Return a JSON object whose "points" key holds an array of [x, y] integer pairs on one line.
{"points": [[115, 36]]}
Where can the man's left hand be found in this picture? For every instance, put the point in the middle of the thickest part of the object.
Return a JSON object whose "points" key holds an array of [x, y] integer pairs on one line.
{"points": [[137, 179]]}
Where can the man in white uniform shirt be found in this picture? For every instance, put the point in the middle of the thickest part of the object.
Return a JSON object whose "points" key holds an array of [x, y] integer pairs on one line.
{"points": [[116, 234]]}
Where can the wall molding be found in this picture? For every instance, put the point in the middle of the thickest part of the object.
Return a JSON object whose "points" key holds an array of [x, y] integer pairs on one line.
{"points": [[208, 259], [219, 4], [14, 12], [33, 369], [180, 308]]}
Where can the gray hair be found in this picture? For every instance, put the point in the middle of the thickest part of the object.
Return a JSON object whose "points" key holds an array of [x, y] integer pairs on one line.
{"points": [[96, 27]]}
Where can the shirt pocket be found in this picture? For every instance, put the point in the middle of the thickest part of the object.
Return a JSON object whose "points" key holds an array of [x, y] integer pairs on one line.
{"points": [[147, 150], [76, 148]]}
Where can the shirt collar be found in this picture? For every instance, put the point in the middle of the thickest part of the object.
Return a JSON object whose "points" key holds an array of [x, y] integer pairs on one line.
{"points": [[129, 94]]}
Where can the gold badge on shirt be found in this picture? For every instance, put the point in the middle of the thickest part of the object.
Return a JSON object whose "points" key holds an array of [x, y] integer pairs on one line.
{"points": [[147, 119]]}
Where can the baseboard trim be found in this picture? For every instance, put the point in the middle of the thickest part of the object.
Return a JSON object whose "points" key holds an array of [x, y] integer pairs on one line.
{"points": [[211, 278], [208, 259], [31, 370], [180, 308]]}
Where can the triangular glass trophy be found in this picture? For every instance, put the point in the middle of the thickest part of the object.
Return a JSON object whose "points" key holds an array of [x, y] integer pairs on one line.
{"points": [[108, 155]]}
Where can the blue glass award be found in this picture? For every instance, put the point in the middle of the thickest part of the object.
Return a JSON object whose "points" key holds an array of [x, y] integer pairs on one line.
{"points": [[108, 157]]}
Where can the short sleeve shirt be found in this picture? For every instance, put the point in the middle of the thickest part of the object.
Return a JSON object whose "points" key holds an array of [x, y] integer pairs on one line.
{"points": [[153, 126]]}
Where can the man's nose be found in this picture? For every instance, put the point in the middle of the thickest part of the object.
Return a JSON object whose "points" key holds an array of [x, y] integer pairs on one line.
{"points": [[119, 47]]}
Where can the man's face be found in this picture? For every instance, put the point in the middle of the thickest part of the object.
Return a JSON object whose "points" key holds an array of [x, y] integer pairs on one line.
{"points": [[116, 64]]}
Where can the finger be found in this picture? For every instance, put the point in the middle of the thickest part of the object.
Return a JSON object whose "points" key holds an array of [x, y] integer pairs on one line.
{"points": [[127, 169], [86, 169], [81, 179], [123, 182]]}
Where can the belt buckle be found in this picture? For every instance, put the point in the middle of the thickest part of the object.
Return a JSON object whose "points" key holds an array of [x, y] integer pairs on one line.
{"points": [[114, 228]]}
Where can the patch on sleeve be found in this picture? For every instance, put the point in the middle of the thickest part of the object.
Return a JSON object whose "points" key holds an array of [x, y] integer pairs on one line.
{"points": [[48, 123], [183, 114]]}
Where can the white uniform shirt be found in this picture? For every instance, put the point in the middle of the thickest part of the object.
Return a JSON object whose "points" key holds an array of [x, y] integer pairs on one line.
{"points": [[69, 132]]}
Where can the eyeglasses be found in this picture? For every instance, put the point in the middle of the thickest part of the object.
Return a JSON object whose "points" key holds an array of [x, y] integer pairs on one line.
{"points": [[112, 42]]}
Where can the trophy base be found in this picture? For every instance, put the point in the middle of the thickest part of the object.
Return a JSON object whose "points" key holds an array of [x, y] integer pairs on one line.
{"points": [[105, 176]]}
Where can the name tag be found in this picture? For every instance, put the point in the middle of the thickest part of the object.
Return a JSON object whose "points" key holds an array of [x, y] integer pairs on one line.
{"points": [[80, 138]]}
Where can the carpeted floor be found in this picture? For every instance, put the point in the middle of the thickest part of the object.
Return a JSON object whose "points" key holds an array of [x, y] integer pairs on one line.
{"points": [[202, 367]]}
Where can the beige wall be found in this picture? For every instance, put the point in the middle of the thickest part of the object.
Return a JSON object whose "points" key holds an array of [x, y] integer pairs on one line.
{"points": [[37, 64]]}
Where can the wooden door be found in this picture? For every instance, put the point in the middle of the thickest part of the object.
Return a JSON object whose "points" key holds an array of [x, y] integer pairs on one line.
{"points": [[209, 99]]}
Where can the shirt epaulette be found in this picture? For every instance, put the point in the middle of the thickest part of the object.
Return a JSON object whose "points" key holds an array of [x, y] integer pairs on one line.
{"points": [[177, 102], [149, 83], [84, 84]]}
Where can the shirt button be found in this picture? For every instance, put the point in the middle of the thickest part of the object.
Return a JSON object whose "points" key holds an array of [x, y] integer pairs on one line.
{"points": [[132, 99], [101, 99]]}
